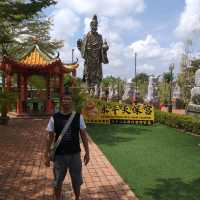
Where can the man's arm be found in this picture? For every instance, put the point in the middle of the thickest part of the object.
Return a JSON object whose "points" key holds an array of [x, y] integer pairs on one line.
{"points": [[84, 138], [49, 141]]}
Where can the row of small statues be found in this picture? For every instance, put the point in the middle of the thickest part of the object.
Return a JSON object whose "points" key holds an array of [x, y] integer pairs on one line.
{"points": [[108, 93]]}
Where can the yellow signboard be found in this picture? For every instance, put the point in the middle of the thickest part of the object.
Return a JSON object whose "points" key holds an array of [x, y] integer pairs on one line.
{"points": [[118, 113]]}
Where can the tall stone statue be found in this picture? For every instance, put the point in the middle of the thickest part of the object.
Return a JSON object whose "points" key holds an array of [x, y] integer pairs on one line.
{"points": [[94, 52]]}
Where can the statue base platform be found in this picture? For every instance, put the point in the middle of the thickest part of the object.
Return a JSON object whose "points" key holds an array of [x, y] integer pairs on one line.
{"points": [[193, 110]]}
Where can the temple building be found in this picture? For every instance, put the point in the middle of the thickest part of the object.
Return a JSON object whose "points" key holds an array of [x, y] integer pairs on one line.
{"points": [[36, 62]]}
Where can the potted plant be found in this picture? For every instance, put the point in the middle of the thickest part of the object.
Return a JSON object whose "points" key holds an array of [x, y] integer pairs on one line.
{"points": [[6, 100]]}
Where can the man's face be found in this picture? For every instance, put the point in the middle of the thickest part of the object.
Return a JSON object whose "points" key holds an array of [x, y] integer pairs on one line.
{"points": [[93, 27], [67, 102]]}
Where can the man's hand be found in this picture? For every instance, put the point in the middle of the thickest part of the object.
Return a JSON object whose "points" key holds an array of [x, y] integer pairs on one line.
{"points": [[86, 158], [84, 138], [47, 161]]}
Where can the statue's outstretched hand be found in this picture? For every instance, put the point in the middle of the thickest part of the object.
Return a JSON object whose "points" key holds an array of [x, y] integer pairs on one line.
{"points": [[105, 46], [79, 43]]}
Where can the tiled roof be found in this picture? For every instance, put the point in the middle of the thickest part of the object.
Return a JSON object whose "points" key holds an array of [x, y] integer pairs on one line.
{"points": [[36, 57]]}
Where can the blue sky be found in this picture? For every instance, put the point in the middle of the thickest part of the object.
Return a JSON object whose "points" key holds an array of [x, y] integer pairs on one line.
{"points": [[155, 29], [160, 18]]}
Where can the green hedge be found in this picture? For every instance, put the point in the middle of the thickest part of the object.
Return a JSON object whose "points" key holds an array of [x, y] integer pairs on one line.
{"points": [[184, 122]]}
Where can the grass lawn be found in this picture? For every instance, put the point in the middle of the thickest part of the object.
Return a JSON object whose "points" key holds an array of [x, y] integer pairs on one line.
{"points": [[157, 162]]}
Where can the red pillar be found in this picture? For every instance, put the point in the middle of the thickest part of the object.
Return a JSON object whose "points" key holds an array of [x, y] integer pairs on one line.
{"points": [[8, 81], [20, 100], [49, 103], [18, 109], [7, 77], [61, 86], [25, 87], [21, 94], [8, 88]]}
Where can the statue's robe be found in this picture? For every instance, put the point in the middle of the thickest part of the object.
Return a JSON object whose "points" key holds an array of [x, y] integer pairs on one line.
{"points": [[94, 55]]}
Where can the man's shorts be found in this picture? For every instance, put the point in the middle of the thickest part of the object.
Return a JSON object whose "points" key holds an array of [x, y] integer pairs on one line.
{"points": [[64, 162]]}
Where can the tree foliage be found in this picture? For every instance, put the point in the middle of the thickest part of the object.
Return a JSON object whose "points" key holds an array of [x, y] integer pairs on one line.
{"points": [[37, 82], [164, 88], [20, 23], [15, 11], [167, 77], [114, 83], [109, 81], [163, 92], [6, 99], [141, 77], [186, 78], [142, 84]]}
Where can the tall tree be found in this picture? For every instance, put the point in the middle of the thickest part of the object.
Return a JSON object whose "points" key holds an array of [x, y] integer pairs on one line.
{"points": [[109, 81], [167, 77], [22, 20], [142, 80], [115, 83], [164, 88], [186, 76], [36, 32], [15, 11]]}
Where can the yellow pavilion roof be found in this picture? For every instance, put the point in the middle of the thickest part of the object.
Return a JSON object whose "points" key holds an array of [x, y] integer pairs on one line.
{"points": [[36, 57]]}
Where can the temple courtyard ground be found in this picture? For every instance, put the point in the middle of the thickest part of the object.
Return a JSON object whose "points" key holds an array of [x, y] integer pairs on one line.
{"points": [[23, 175]]}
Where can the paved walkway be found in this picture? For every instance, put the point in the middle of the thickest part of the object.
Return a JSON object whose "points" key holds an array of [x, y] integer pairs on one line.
{"points": [[23, 175]]}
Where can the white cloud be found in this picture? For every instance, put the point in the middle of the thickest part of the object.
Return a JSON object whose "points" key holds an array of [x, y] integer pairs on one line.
{"points": [[146, 68], [105, 7], [66, 23], [154, 58], [151, 49], [189, 23], [148, 48]]}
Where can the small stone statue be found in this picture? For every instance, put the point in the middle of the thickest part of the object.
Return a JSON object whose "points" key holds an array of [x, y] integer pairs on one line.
{"points": [[94, 52], [152, 88], [195, 92], [194, 104], [110, 95]]}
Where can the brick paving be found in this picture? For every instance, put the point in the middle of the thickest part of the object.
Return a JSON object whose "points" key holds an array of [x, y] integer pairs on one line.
{"points": [[23, 175]]}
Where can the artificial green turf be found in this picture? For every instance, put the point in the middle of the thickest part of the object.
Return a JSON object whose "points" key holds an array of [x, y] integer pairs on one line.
{"points": [[157, 162]]}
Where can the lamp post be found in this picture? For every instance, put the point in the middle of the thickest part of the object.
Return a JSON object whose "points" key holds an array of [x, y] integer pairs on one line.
{"points": [[171, 68], [135, 77]]}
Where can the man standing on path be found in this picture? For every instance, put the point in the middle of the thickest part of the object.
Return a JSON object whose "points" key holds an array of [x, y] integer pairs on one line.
{"points": [[67, 154]]}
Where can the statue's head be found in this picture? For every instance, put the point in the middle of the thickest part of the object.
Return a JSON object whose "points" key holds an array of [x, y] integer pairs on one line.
{"points": [[94, 24]]}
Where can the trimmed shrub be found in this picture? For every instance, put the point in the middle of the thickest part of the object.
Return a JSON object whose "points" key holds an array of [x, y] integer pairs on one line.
{"points": [[184, 122]]}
